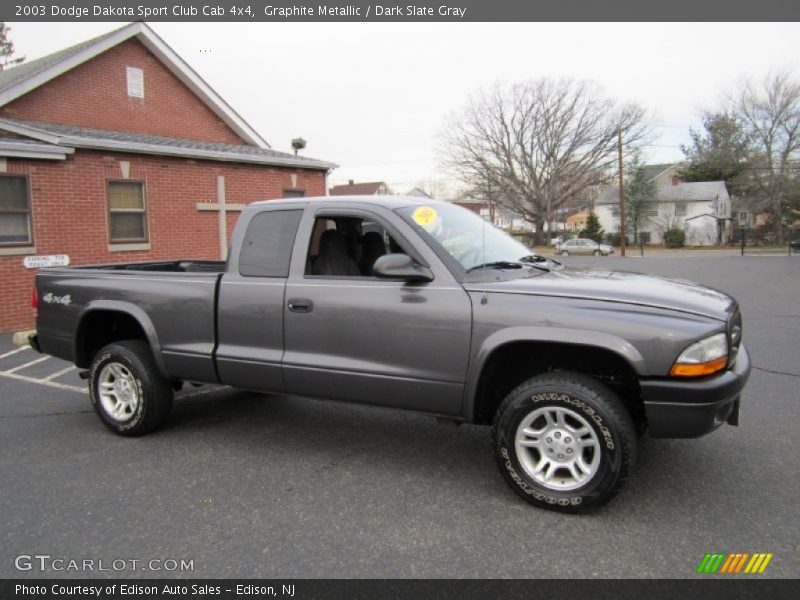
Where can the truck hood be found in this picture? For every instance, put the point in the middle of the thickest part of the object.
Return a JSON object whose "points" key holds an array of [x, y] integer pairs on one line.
{"points": [[619, 286]]}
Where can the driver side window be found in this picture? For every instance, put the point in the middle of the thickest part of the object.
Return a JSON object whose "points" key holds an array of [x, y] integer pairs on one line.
{"points": [[347, 247]]}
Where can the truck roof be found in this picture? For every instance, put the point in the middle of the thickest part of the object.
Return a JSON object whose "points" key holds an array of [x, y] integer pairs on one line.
{"points": [[390, 202]]}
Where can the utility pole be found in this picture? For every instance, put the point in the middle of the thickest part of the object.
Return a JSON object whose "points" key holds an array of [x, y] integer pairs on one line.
{"points": [[621, 196]]}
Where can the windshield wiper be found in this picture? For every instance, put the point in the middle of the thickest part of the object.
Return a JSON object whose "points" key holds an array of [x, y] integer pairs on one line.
{"points": [[498, 264], [538, 258]]}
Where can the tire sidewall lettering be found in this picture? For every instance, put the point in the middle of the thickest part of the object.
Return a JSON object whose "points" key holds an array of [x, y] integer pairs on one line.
{"points": [[525, 487], [608, 439], [609, 463]]}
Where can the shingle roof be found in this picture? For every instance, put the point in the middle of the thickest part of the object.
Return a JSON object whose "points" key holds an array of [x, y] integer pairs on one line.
{"points": [[695, 191], [467, 199], [26, 70], [357, 189], [653, 171], [88, 137]]}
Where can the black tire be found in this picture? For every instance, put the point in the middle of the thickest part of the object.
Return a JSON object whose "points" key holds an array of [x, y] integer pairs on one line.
{"points": [[583, 402], [597, 253], [564, 253], [154, 394]]}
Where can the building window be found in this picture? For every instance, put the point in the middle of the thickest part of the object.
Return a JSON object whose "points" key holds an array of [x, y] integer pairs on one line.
{"points": [[615, 211], [127, 211], [15, 211], [680, 209], [135, 82], [294, 193]]}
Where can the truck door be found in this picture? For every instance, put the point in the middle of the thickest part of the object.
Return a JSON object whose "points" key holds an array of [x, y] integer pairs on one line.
{"points": [[251, 299], [352, 336]]}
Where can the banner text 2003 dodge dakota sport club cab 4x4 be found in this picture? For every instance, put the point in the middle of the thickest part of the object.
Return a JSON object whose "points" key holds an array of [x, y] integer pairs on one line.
{"points": [[415, 305]]}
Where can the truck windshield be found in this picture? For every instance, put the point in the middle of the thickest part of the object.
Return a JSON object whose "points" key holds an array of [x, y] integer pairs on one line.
{"points": [[465, 236]]}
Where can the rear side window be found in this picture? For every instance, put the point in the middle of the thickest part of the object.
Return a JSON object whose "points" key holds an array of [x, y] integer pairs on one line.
{"points": [[267, 245]]}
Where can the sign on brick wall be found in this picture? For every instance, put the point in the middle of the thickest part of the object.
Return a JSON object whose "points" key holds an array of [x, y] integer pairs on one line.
{"points": [[49, 260]]}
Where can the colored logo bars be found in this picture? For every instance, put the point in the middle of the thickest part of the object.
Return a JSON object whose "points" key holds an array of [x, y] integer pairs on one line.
{"points": [[740, 562]]}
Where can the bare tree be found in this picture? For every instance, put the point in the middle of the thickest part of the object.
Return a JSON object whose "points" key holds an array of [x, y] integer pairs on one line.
{"points": [[538, 143], [7, 49], [667, 219], [437, 188], [770, 112]]}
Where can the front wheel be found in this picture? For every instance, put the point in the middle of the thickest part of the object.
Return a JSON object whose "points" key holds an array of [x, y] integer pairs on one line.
{"points": [[127, 391], [597, 253], [564, 253], [563, 441]]}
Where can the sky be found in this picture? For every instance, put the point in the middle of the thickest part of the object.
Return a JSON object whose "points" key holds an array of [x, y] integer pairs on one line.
{"points": [[373, 97]]}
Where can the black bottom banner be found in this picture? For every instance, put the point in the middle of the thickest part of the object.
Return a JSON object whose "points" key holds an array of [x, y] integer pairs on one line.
{"points": [[303, 589]]}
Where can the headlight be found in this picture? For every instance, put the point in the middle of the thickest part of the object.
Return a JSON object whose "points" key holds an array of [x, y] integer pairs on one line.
{"points": [[702, 358]]}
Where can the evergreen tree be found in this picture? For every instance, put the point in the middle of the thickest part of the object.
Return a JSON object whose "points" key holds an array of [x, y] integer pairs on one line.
{"points": [[720, 153], [593, 231], [639, 192]]}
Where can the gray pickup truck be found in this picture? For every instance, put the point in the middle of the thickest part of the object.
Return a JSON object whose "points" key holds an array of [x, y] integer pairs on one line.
{"points": [[415, 305]]}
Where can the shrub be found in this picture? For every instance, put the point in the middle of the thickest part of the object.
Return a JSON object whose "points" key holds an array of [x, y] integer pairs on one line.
{"points": [[613, 238], [675, 238]]}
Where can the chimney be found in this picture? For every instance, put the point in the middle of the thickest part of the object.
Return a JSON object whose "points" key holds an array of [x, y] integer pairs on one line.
{"points": [[350, 182]]}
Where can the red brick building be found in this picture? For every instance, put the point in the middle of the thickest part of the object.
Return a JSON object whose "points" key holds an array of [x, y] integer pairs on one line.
{"points": [[116, 150]]}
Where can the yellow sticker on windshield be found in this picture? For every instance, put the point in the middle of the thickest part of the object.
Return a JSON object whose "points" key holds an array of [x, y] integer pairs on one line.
{"points": [[424, 215]]}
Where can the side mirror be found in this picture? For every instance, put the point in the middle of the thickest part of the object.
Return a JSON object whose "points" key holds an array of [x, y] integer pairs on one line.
{"points": [[401, 266]]}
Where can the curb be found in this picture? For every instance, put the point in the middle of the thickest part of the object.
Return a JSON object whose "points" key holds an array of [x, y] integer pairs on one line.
{"points": [[21, 337]]}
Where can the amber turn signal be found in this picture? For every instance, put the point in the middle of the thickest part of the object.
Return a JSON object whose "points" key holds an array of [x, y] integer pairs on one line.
{"points": [[698, 369]]}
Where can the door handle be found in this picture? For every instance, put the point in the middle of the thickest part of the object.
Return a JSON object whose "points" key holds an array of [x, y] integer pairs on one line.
{"points": [[301, 305]]}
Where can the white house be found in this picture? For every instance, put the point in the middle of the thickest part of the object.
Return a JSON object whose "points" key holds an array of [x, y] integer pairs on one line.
{"points": [[701, 209], [508, 220]]}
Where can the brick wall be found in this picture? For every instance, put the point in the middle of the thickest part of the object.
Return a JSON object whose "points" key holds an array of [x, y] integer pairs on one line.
{"points": [[95, 94], [70, 212]]}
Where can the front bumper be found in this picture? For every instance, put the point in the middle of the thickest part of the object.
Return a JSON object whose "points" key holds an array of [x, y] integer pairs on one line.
{"points": [[692, 408]]}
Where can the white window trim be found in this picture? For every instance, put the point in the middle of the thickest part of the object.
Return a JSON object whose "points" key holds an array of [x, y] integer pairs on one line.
{"points": [[17, 250], [129, 247]]}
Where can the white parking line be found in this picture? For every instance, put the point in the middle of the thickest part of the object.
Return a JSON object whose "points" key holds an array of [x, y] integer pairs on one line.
{"points": [[58, 373], [52, 384], [13, 352], [26, 365]]}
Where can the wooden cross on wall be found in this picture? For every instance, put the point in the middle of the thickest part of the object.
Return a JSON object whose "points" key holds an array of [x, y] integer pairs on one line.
{"points": [[223, 209]]}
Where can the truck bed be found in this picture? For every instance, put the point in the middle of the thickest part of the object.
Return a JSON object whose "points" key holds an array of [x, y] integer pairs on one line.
{"points": [[170, 266], [173, 302]]}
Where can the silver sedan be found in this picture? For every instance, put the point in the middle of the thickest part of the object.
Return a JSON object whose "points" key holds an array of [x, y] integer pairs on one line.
{"points": [[583, 246]]}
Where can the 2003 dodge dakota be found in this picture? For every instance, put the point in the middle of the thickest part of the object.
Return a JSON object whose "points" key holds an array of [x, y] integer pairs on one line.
{"points": [[415, 305]]}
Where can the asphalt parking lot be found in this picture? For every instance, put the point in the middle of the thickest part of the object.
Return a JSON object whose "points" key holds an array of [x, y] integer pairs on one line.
{"points": [[251, 485]]}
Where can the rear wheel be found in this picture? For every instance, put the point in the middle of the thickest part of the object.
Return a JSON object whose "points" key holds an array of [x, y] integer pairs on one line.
{"points": [[597, 253], [128, 393], [565, 253], [563, 441]]}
